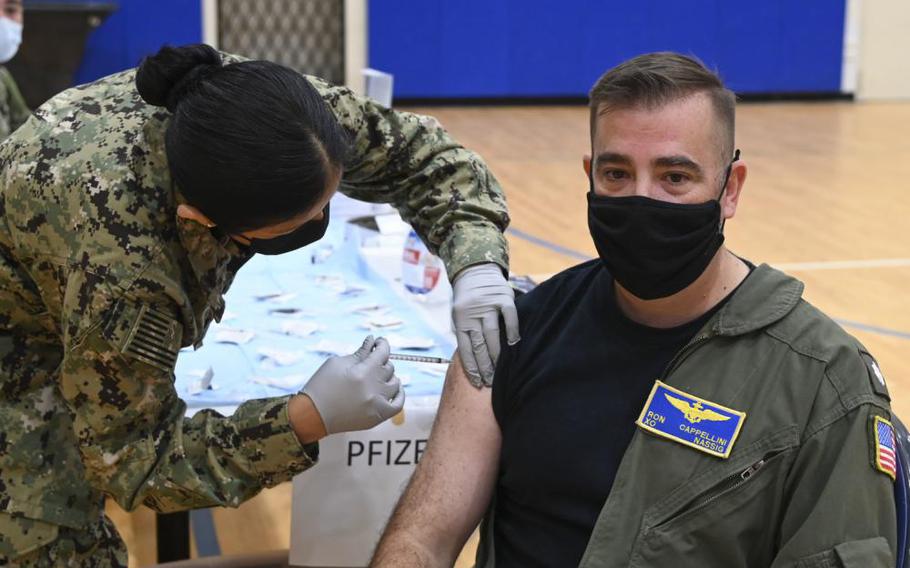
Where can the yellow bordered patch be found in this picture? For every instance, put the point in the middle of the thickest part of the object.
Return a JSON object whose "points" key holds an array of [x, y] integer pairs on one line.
{"points": [[690, 420], [885, 448]]}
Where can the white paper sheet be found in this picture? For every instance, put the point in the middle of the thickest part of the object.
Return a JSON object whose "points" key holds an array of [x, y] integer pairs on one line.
{"points": [[289, 382], [202, 382], [279, 358], [369, 309], [301, 328], [398, 341], [235, 336], [383, 321], [331, 348]]}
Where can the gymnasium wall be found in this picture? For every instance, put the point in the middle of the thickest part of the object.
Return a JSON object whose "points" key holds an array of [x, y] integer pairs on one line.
{"points": [[538, 48], [533, 48], [138, 28], [884, 68]]}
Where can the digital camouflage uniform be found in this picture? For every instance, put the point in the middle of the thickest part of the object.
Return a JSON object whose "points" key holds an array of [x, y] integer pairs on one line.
{"points": [[13, 110], [101, 284]]}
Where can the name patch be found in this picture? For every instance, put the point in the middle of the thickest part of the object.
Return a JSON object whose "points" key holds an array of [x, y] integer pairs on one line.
{"points": [[691, 421]]}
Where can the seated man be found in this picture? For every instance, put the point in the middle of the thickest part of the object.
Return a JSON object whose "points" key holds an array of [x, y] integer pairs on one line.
{"points": [[670, 404]]}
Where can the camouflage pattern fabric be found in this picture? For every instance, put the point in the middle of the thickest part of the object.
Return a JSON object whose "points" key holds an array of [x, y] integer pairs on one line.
{"points": [[101, 284], [13, 110], [444, 191], [28, 543], [408, 160]]}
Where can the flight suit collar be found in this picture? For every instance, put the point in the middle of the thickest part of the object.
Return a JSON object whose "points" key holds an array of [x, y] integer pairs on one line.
{"points": [[764, 297]]}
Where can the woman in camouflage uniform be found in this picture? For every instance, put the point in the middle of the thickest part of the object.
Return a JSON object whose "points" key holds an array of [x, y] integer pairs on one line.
{"points": [[126, 207]]}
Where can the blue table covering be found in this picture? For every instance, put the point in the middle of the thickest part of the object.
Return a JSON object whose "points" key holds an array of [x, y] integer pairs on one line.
{"points": [[329, 280]]}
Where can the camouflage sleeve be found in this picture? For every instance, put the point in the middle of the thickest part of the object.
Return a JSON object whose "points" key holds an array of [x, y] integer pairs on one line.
{"points": [[18, 110], [444, 191], [136, 444]]}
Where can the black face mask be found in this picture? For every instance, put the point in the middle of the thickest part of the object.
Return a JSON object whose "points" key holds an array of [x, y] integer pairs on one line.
{"points": [[654, 248], [305, 234]]}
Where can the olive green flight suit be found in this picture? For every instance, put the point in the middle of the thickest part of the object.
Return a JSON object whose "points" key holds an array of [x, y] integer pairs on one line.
{"points": [[800, 488]]}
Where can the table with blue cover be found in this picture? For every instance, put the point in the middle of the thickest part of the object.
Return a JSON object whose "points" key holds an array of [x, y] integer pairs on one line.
{"points": [[325, 293], [322, 284]]}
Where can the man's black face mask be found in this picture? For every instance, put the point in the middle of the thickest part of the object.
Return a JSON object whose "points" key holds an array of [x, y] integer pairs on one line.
{"points": [[654, 248], [305, 234]]}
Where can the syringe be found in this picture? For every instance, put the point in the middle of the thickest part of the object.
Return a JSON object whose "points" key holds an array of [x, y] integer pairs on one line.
{"points": [[419, 358]]}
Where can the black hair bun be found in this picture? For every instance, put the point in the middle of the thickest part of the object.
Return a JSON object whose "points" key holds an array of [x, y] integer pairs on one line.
{"points": [[164, 78]]}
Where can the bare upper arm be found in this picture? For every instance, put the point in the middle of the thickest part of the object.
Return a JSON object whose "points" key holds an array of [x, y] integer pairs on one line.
{"points": [[452, 485]]}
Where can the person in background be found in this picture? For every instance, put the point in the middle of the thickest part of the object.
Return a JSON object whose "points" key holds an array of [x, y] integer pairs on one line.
{"points": [[126, 208], [13, 110]]}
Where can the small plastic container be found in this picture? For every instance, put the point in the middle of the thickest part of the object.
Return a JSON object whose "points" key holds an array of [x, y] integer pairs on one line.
{"points": [[421, 270]]}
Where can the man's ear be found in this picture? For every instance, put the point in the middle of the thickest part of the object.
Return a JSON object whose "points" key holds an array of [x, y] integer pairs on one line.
{"points": [[586, 164], [734, 189], [185, 211]]}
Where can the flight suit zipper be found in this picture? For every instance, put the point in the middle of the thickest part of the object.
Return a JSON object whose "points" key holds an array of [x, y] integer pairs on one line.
{"points": [[684, 352], [729, 484], [720, 489]]}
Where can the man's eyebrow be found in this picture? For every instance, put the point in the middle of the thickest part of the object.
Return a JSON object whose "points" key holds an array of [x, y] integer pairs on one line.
{"points": [[678, 162], [613, 158]]}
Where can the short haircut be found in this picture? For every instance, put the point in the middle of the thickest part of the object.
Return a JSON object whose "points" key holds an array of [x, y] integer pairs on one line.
{"points": [[655, 79]]}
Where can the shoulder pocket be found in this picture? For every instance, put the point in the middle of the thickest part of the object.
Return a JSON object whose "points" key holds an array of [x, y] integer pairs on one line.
{"points": [[866, 553], [20, 536], [723, 478], [144, 333], [729, 502], [733, 492]]}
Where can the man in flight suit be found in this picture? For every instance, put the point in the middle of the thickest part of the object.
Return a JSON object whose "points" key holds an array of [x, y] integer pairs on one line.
{"points": [[670, 404]]}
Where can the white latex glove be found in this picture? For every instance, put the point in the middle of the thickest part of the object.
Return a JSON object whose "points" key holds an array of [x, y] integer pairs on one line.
{"points": [[358, 391], [480, 294]]}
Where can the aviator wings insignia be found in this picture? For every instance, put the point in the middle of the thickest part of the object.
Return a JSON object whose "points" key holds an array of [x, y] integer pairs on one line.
{"points": [[695, 413]]}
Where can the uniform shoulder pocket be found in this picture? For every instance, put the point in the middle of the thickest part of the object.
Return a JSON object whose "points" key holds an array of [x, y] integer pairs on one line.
{"points": [[20, 536], [144, 333], [867, 553]]}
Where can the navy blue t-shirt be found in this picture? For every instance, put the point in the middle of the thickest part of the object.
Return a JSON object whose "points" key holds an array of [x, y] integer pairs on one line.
{"points": [[566, 398]]}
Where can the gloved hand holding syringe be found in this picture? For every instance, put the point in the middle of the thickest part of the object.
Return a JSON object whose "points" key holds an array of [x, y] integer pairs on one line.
{"points": [[358, 391]]}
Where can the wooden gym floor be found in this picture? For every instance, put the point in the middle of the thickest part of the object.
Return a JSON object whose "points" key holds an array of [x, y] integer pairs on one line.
{"points": [[827, 199]]}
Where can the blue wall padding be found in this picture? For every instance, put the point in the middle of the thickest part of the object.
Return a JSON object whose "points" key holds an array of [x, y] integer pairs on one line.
{"points": [[539, 48], [139, 28]]}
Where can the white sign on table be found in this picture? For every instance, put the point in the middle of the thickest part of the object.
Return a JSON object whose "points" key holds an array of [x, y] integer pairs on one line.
{"points": [[341, 505]]}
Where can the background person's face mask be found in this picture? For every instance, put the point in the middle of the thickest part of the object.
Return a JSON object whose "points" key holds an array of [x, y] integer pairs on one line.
{"points": [[305, 234], [654, 248], [10, 38]]}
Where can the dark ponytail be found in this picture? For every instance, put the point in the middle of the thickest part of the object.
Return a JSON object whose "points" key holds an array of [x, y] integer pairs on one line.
{"points": [[250, 144], [164, 79]]}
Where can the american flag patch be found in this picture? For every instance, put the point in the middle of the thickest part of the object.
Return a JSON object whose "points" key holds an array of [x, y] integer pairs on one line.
{"points": [[885, 448]]}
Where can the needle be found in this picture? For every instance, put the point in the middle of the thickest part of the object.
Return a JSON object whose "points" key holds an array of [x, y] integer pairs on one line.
{"points": [[419, 358]]}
